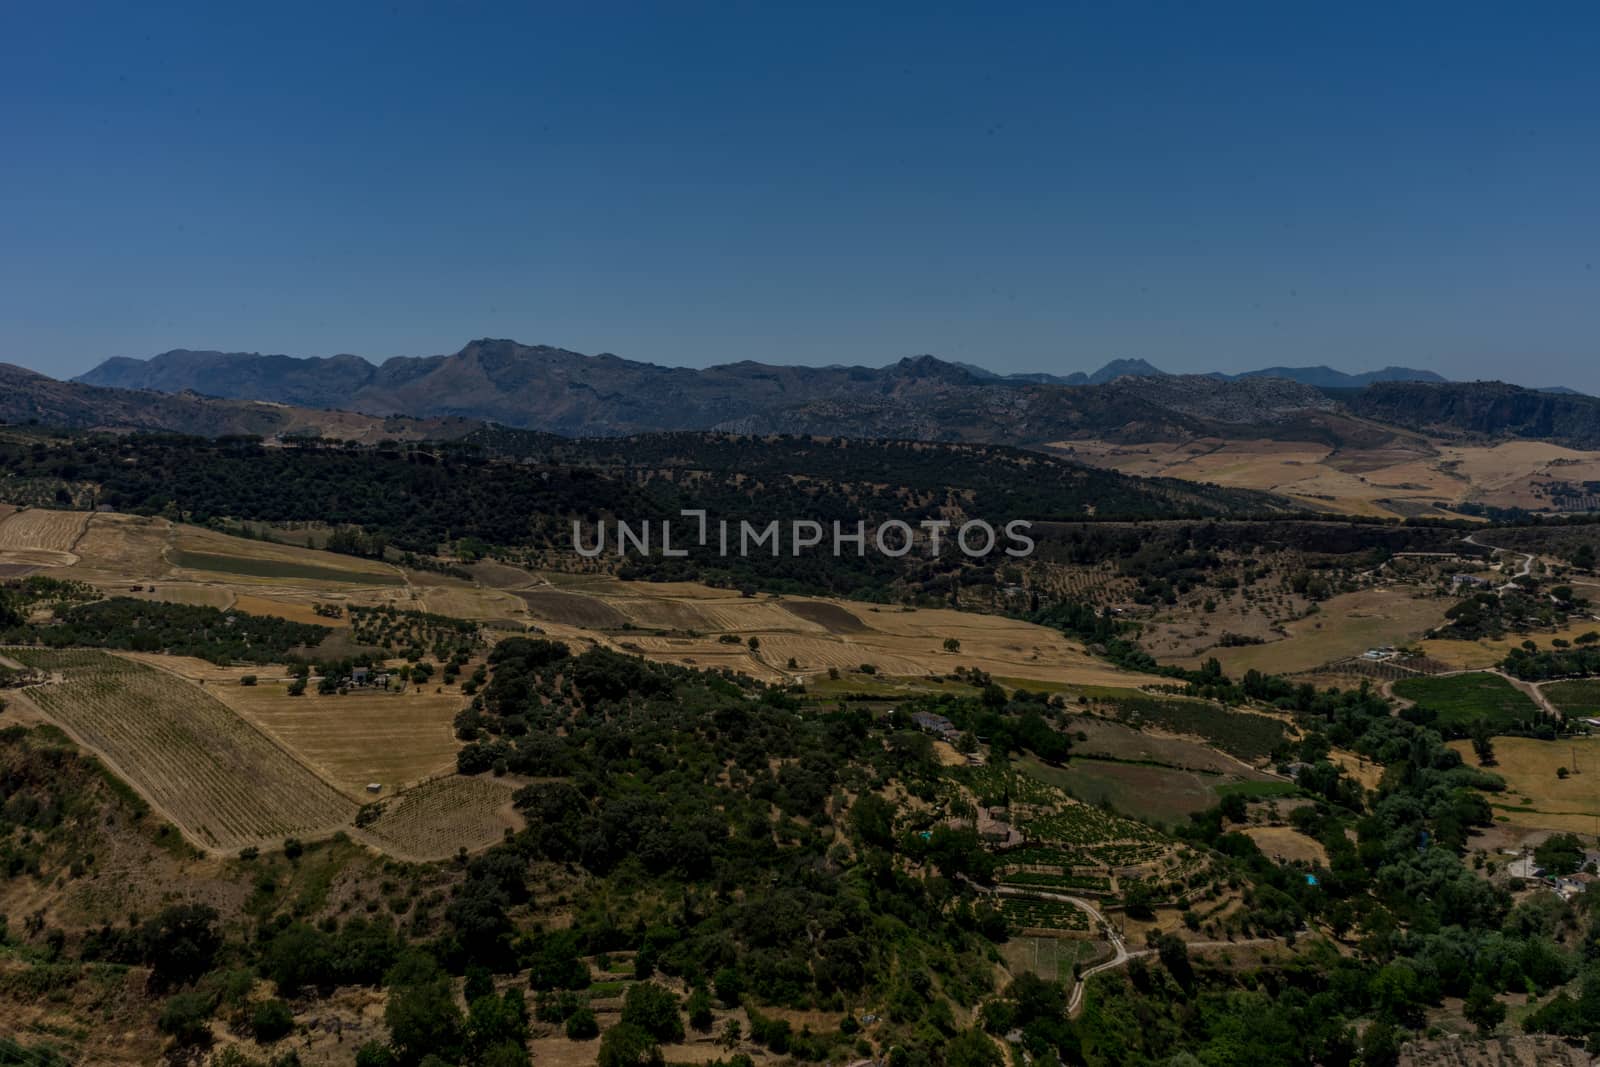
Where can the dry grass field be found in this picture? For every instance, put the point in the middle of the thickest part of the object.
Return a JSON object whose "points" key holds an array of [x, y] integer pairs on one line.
{"points": [[293, 610], [1407, 479], [1287, 845], [439, 817], [1344, 626], [393, 739], [682, 622], [222, 781], [119, 548], [1489, 651], [41, 537], [1536, 797]]}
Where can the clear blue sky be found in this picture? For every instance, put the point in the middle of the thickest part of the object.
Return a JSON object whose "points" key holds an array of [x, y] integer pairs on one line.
{"points": [[1207, 186]]}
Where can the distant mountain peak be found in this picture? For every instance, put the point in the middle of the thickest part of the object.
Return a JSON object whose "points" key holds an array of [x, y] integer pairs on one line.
{"points": [[1125, 368]]}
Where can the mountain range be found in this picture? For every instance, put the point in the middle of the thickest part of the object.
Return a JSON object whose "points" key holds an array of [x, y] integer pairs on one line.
{"points": [[327, 381], [557, 391]]}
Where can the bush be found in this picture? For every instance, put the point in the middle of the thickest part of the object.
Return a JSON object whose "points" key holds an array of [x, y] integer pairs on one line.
{"points": [[271, 1021], [374, 1054], [626, 1045], [653, 1010], [187, 1017], [582, 1026]]}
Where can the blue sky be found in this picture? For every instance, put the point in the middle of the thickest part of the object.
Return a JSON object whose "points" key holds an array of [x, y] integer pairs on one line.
{"points": [[1207, 186]]}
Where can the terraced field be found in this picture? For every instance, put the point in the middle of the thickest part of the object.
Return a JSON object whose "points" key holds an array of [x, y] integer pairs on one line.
{"points": [[1029, 913], [222, 781]]}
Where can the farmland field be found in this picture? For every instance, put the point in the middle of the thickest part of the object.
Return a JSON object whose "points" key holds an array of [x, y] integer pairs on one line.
{"points": [[1030, 913], [1287, 845], [1490, 651], [256, 567], [40, 536], [1580, 697], [1116, 741], [1240, 733], [1344, 626], [1463, 700], [437, 818], [220, 779], [1414, 477], [832, 617], [571, 609], [1061, 883], [1158, 794], [1051, 958], [389, 738], [1536, 796]]}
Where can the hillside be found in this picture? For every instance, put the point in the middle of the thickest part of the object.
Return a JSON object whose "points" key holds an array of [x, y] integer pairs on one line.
{"points": [[27, 397], [1489, 409]]}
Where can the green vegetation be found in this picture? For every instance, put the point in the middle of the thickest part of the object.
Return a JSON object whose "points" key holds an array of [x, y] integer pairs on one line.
{"points": [[1579, 698], [1239, 733], [130, 625], [1462, 702], [1028, 913]]}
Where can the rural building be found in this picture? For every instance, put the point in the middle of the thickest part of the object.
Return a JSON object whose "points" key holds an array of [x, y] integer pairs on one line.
{"points": [[929, 723]]}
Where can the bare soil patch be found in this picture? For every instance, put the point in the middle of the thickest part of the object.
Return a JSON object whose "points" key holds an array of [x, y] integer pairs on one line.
{"points": [[572, 609], [831, 617]]}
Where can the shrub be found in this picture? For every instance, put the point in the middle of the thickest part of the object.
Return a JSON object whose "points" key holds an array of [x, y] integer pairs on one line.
{"points": [[582, 1026], [187, 1017], [271, 1021]]}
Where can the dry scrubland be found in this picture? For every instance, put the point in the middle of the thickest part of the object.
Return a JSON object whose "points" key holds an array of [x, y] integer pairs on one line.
{"points": [[1420, 477], [222, 781]]}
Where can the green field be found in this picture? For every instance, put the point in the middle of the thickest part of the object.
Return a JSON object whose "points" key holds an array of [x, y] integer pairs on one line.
{"points": [[1051, 958], [1238, 733], [274, 568], [1579, 697], [1464, 700], [1026, 913], [1065, 883], [1163, 795]]}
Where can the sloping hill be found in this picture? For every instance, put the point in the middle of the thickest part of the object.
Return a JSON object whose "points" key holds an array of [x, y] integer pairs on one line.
{"points": [[1490, 409], [29, 397]]}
